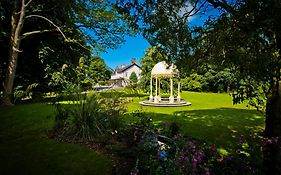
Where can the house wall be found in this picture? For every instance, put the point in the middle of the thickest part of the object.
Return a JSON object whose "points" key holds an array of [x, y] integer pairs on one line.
{"points": [[132, 69], [124, 81], [126, 74], [116, 76]]}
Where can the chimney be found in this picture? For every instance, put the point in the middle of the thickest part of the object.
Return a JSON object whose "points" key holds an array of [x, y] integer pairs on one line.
{"points": [[134, 61], [122, 66]]}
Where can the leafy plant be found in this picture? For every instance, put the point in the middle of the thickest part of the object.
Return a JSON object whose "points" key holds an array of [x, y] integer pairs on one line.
{"points": [[133, 78], [88, 116], [192, 83]]}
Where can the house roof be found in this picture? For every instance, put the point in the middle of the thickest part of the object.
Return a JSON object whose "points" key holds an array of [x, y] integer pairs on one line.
{"points": [[125, 68]]}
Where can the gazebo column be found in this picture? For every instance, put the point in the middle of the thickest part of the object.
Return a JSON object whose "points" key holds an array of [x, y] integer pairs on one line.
{"points": [[171, 98], [156, 89], [159, 96], [179, 96], [151, 95]]}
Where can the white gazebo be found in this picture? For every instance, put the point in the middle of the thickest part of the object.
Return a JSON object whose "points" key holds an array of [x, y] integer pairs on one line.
{"points": [[160, 71]]}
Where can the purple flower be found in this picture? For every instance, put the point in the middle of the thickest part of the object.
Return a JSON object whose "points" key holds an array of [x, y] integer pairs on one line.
{"points": [[241, 140], [200, 156], [207, 171], [194, 164], [191, 147], [183, 158], [272, 140]]}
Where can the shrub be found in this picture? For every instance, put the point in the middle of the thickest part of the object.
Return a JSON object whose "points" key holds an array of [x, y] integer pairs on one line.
{"points": [[162, 149], [133, 78], [87, 117], [192, 83]]}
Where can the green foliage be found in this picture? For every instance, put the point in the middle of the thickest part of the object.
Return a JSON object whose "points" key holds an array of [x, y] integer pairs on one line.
{"points": [[163, 24], [20, 92], [85, 75], [192, 83], [96, 70], [210, 79], [133, 78], [87, 25], [152, 56], [216, 80], [252, 91], [26, 149], [87, 117], [212, 119], [165, 150]]}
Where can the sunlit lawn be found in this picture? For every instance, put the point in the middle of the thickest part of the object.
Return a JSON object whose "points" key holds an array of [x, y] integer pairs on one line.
{"points": [[211, 117], [26, 149]]}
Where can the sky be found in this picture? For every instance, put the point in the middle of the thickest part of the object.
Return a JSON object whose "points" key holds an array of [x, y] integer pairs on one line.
{"points": [[134, 47]]}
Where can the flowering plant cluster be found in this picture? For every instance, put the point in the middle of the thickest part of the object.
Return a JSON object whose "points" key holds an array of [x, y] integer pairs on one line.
{"points": [[176, 154], [163, 149]]}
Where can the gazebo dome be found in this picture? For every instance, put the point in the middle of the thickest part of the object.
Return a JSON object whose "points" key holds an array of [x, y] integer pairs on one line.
{"points": [[162, 69]]}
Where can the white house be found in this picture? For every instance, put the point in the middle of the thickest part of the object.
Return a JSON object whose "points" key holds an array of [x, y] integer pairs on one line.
{"points": [[121, 76]]}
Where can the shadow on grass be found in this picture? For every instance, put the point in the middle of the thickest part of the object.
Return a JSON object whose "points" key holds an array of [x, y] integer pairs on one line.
{"points": [[26, 150], [223, 126]]}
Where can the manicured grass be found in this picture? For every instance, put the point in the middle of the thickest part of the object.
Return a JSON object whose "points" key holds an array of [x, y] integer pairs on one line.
{"points": [[25, 148], [211, 117]]}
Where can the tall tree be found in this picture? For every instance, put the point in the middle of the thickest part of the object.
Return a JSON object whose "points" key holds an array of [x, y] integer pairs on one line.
{"points": [[99, 23], [243, 34], [251, 35], [153, 55]]}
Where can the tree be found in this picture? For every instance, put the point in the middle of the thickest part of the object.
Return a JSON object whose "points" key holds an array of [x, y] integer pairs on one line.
{"points": [[96, 20], [153, 55], [96, 70], [252, 37], [244, 35], [133, 78]]}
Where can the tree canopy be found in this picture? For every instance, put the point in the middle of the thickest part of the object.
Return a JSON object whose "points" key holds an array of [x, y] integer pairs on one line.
{"points": [[46, 35], [242, 35]]}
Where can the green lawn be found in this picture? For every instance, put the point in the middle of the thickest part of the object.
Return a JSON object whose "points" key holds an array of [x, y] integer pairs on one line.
{"points": [[211, 117], [25, 148]]}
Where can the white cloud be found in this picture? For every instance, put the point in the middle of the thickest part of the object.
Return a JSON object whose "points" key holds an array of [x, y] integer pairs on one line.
{"points": [[186, 8]]}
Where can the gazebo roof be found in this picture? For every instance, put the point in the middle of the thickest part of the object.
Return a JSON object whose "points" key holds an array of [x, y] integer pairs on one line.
{"points": [[162, 69]]}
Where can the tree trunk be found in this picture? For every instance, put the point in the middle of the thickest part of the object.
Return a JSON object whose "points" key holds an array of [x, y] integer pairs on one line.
{"points": [[10, 75], [16, 24], [272, 147]]}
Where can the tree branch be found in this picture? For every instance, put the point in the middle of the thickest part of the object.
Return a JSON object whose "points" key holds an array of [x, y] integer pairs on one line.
{"points": [[42, 31], [223, 4], [36, 32], [195, 11], [27, 3], [51, 22]]}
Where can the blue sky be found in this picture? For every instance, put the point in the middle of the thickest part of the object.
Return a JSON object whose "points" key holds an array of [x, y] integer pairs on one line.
{"points": [[135, 47]]}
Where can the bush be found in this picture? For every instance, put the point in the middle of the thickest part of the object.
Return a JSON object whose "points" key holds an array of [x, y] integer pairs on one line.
{"points": [[162, 149], [192, 83], [87, 117], [133, 78]]}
